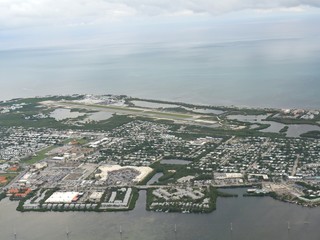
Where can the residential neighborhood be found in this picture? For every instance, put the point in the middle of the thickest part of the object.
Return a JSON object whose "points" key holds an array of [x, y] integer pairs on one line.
{"points": [[68, 167]]}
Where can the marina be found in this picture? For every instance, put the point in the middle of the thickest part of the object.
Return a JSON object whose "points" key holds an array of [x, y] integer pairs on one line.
{"points": [[233, 215]]}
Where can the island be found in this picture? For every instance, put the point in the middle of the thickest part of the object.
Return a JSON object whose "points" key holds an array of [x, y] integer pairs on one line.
{"points": [[97, 152]]}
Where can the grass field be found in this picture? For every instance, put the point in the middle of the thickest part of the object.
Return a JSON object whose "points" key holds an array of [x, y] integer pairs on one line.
{"points": [[39, 156]]}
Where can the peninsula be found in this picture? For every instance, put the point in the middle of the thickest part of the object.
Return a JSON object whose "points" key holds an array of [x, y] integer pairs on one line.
{"points": [[95, 153]]}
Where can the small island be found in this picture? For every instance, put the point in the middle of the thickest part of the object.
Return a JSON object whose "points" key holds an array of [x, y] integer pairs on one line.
{"points": [[98, 152]]}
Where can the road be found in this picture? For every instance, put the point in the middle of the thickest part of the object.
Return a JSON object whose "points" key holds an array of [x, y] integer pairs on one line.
{"points": [[295, 166]]}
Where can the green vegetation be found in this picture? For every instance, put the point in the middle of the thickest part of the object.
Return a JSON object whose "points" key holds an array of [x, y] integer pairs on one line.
{"points": [[134, 199], [220, 132], [171, 172], [82, 141], [22, 201], [284, 129], [37, 100], [283, 198], [149, 199], [262, 126], [9, 176], [256, 194], [293, 120], [29, 116], [147, 178], [178, 110], [20, 119], [32, 196], [203, 177], [82, 110], [211, 193], [228, 110], [311, 134], [308, 186], [127, 110], [49, 192], [39, 156], [26, 117], [109, 124], [225, 194], [2, 196]]}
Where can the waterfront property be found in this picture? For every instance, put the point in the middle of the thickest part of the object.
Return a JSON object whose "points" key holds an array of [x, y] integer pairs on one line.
{"points": [[68, 164]]}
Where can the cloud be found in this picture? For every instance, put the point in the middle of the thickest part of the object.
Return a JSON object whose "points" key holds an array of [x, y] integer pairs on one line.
{"points": [[42, 12], [17, 13]]}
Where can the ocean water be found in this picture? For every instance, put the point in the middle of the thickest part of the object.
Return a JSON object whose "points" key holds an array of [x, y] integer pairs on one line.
{"points": [[259, 70], [251, 217]]}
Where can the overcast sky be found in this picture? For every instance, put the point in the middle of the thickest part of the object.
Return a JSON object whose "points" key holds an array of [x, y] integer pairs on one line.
{"points": [[26, 23]]}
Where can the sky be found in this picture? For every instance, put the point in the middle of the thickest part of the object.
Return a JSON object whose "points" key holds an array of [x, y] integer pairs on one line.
{"points": [[47, 23]]}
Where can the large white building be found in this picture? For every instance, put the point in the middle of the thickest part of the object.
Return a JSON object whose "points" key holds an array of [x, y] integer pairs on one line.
{"points": [[63, 197]]}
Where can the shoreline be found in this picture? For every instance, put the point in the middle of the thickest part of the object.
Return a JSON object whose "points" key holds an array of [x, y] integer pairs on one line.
{"points": [[195, 135]]}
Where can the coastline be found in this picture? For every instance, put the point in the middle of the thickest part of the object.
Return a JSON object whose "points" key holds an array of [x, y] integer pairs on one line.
{"points": [[202, 127]]}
